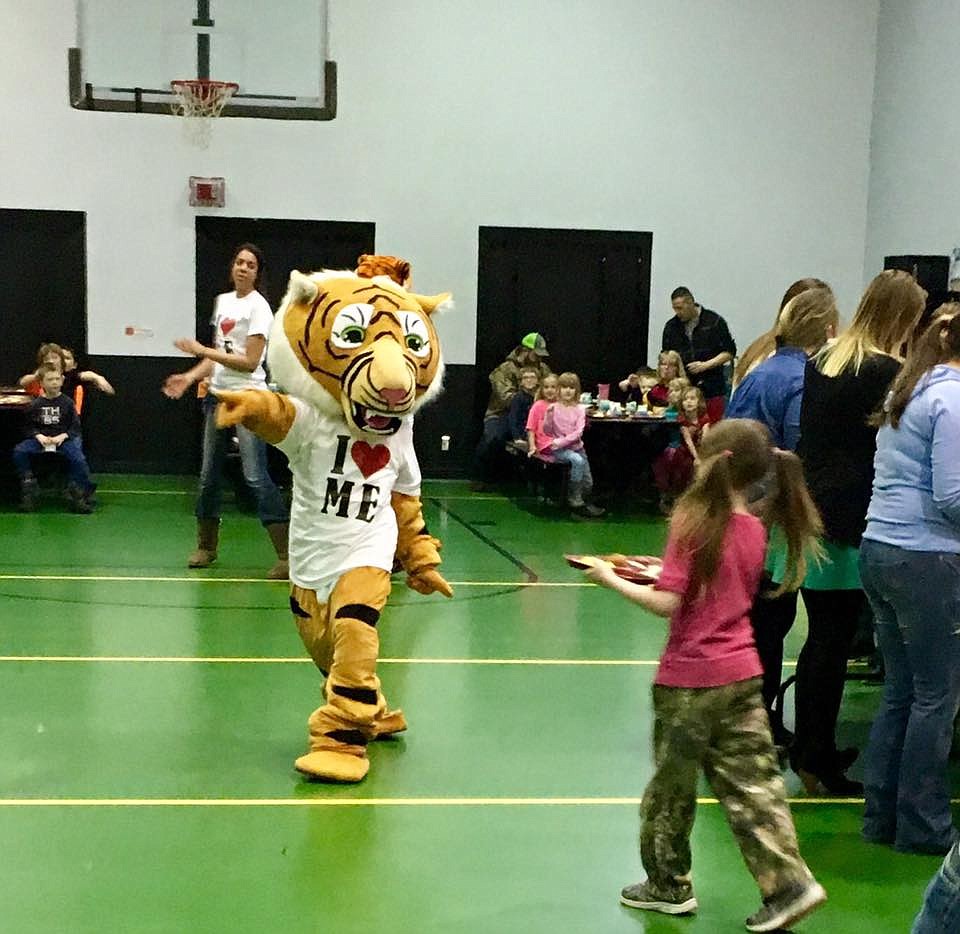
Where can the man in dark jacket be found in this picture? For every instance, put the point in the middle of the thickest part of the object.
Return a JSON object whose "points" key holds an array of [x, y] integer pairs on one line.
{"points": [[703, 340]]}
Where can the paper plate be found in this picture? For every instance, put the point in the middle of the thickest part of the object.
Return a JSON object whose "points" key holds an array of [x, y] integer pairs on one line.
{"points": [[638, 569]]}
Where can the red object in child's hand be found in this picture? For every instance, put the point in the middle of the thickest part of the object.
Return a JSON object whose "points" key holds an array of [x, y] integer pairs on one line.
{"points": [[638, 569]]}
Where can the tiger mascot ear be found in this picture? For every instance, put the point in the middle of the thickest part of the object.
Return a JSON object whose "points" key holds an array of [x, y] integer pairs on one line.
{"points": [[301, 288], [433, 304]]}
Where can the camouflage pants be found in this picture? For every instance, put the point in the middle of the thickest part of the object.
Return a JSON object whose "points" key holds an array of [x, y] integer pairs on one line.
{"points": [[725, 731]]}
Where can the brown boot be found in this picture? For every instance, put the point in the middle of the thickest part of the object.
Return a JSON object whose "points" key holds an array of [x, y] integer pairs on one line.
{"points": [[208, 534], [279, 533]]}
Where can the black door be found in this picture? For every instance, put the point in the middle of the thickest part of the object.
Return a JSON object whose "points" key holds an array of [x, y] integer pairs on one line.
{"points": [[306, 245], [44, 297], [586, 291]]}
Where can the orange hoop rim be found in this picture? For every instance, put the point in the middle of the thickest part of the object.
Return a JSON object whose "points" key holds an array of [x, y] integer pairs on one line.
{"points": [[203, 85]]}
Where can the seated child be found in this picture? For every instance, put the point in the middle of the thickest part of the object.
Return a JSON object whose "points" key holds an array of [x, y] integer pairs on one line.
{"points": [[520, 405], [546, 396], [53, 425], [674, 395], [73, 378], [559, 438], [636, 387], [669, 368], [47, 355], [673, 468]]}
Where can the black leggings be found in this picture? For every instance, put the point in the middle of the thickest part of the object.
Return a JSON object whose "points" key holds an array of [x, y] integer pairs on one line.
{"points": [[832, 620], [771, 619]]}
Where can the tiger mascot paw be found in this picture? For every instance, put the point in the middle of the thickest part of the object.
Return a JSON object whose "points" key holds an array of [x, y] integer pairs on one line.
{"points": [[330, 766], [427, 581]]}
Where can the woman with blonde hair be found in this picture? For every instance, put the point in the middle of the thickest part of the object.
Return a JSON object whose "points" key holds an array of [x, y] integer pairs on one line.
{"points": [[669, 366], [766, 344], [844, 385], [772, 393]]}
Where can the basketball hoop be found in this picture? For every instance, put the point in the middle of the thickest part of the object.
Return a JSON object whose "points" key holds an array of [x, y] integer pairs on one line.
{"points": [[201, 101]]}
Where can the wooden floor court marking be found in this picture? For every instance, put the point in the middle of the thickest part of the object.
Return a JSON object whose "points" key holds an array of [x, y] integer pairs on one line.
{"points": [[361, 802]]}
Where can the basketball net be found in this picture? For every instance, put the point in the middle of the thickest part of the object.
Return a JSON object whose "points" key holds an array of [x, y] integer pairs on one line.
{"points": [[200, 101]]}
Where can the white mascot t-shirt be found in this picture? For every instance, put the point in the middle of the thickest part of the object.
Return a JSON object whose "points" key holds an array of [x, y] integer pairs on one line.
{"points": [[341, 516], [234, 320]]}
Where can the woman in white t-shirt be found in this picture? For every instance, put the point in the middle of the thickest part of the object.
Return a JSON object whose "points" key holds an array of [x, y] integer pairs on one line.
{"points": [[241, 323]]}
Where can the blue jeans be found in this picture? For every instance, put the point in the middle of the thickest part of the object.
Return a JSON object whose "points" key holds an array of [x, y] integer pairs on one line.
{"points": [[71, 450], [940, 913], [271, 507], [496, 433], [915, 596], [581, 480]]}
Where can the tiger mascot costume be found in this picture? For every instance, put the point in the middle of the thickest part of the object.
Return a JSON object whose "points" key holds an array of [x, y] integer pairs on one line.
{"points": [[357, 357]]}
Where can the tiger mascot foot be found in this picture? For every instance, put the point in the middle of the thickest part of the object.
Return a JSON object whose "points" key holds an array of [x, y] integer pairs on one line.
{"points": [[391, 723], [327, 765]]}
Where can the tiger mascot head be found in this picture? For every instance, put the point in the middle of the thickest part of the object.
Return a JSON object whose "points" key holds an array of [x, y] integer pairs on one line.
{"points": [[363, 347]]}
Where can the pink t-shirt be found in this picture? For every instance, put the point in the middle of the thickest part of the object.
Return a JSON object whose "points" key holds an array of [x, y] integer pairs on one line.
{"points": [[535, 424], [711, 639]]}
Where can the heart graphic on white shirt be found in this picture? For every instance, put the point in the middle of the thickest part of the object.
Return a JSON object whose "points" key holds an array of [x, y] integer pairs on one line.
{"points": [[369, 458], [227, 325]]}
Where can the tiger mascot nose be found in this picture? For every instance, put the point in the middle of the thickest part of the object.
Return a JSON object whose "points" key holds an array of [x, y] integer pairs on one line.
{"points": [[392, 375]]}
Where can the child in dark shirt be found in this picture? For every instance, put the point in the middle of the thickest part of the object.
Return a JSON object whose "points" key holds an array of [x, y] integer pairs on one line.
{"points": [[73, 377], [520, 405], [53, 426]]}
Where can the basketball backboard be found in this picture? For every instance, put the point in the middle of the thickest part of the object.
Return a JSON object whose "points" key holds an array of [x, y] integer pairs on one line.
{"points": [[128, 52]]}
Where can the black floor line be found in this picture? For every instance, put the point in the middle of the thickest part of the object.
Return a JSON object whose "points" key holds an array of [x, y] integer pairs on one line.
{"points": [[528, 572]]}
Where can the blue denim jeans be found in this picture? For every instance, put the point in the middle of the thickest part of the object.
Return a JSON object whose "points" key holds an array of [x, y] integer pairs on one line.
{"points": [[496, 433], [71, 450], [253, 459], [581, 480], [940, 913], [915, 596]]}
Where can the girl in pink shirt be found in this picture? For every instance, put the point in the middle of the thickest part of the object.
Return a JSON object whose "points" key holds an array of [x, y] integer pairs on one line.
{"points": [[537, 441], [557, 435], [707, 702]]}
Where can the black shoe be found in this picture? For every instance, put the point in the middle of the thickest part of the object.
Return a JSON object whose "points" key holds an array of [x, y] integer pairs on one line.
{"points": [[79, 500], [844, 758], [584, 511], [827, 779], [782, 737], [833, 784], [29, 491]]}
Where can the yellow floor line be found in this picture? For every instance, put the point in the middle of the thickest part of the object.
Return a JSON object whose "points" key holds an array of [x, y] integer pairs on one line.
{"points": [[362, 802], [101, 490], [302, 660], [116, 578]]}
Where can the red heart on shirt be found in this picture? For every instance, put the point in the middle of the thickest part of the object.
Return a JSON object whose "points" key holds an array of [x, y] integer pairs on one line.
{"points": [[369, 458], [227, 325]]}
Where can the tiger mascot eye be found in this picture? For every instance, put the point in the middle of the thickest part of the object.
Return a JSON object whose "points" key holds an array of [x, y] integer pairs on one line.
{"points": [[356, 358]]}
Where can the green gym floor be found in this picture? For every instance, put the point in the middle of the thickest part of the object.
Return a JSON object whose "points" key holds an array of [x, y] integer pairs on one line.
{"points": [[151, 716]]}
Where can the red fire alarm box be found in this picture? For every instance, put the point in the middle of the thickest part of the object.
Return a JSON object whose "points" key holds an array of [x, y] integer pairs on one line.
{"points": [[207, 192]]}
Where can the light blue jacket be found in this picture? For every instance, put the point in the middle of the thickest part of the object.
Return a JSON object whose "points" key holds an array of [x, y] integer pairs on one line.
{"points": [[916, 487]]}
